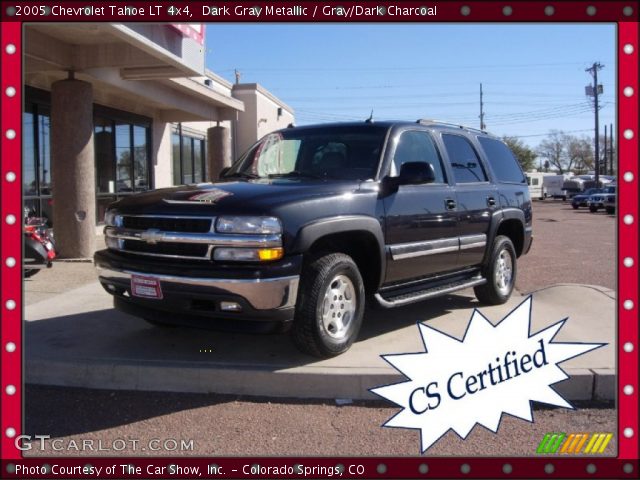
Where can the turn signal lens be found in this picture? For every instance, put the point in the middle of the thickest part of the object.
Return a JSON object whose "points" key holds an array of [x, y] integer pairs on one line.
{"points": [[248, 254], [266, 254]]}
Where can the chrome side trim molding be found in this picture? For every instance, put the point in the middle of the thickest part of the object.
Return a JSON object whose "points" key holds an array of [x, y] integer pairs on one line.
{"points": [[473, 241], [401, 251], [418, 249], [261, 293]]}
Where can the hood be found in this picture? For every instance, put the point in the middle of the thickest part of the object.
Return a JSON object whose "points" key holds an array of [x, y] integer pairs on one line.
{"points": [[253, 197]]}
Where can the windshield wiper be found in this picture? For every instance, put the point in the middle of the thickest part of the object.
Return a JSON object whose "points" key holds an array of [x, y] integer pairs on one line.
{"points": [[295, 173], [242, 175]]}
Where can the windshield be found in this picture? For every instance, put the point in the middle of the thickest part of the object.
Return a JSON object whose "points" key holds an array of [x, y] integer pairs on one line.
{"points": [[347, 152]]}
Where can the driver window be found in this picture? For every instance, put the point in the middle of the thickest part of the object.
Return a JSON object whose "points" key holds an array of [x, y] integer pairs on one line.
{"points": [[417, 146]]}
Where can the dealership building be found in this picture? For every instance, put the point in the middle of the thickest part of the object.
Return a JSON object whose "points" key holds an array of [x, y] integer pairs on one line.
{"points": [[115, 109]]}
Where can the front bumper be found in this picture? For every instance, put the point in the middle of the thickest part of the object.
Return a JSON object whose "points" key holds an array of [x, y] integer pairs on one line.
{"points": [[190, 300]]}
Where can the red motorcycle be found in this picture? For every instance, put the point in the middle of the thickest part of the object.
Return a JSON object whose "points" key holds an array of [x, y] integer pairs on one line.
{"points": [[39, 248]]}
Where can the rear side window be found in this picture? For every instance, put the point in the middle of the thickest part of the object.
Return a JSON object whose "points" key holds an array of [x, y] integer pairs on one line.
{"points": [[502, 160], [464, 161]]}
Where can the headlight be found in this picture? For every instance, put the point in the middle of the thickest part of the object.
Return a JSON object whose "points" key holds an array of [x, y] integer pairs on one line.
{"points": [[248, 225], [111, 219]]}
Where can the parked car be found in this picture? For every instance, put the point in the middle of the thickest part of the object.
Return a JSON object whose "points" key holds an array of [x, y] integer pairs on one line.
{"points": [[610, 203], [598, 200], [312, 219], [582, 199]]}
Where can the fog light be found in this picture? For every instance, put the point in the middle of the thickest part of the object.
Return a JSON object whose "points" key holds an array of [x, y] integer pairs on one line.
{"points": [[230, 307]]}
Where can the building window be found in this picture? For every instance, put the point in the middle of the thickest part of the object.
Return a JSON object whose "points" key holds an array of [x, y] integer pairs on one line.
{"points": [[188, 152], [122, 146], [36, 160]]}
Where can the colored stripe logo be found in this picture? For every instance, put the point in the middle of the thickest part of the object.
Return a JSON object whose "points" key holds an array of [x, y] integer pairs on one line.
{"points": [[574, 443]]}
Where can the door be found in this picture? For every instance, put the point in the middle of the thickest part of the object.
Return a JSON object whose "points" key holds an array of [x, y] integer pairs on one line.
{"points": [[476, 198], [421, 227]]}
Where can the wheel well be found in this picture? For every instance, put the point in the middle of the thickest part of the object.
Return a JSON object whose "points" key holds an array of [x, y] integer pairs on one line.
{"points": [[513, 229], [361, 246]]}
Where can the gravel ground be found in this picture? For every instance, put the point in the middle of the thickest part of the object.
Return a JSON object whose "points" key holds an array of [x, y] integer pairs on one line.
{"points": [[235, 426]]}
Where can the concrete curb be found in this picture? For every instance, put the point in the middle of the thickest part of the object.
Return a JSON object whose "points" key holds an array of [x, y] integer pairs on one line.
{"points": [[302, 382], [78, 340]]}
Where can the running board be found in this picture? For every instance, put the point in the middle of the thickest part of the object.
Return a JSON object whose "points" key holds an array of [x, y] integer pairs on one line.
{"points": [[406, 299]]}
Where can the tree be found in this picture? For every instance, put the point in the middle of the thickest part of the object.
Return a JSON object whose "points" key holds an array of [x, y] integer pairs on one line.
{"points": [[579, 153], [525, 156], [553, 150]]}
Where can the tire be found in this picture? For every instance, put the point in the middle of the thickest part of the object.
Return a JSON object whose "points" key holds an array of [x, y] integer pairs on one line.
{"points": [[611, 210], [593, 209], [575, 207], [500, 273], [564, 198], [316, 329]]}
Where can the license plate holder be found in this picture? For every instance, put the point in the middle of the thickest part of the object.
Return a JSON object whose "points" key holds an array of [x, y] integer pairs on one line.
{"points": [[146, 287]]}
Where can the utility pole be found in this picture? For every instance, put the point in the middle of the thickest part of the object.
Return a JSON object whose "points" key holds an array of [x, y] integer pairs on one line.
{"points": [[482, 125], [611, 149], [595, 91], [604, 167], [238, 75]]}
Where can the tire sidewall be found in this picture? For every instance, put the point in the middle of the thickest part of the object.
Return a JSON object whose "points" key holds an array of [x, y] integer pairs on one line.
{"points": [[502, 243], [350, 270]]}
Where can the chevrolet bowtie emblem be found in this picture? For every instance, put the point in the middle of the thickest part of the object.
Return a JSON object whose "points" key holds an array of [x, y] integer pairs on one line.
{"points": [[152, 236]]}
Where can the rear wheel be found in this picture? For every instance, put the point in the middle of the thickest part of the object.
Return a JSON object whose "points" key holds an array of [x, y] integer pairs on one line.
{"points": [[330, 306], [500, 273], [611, 210]]}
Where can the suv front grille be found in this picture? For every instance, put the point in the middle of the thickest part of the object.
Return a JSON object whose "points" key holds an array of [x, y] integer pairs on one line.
{"points": [[182, 250], [168, 224], [188, 238]]}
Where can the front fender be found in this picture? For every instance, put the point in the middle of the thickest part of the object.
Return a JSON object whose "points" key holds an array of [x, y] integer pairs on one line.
{"points": [[311, 232]]}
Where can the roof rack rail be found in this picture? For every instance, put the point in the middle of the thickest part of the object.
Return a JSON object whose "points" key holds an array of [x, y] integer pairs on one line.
{"points": [[428, 121]]}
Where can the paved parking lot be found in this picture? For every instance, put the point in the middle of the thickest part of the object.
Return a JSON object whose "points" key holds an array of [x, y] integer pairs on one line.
{"points": [[570, 247]]}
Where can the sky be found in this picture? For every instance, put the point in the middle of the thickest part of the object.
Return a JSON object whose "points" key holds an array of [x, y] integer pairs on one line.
{"points": [[533, 75]]}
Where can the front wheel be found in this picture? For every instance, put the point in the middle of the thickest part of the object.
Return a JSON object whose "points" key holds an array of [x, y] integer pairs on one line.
{"points": [[611, 210], [593, 209], [500, 273], [575, 207], [330, 306]]}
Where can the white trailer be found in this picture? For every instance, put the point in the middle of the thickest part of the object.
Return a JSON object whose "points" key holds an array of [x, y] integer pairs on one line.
{"points": [[553, 185], [535, 181]]}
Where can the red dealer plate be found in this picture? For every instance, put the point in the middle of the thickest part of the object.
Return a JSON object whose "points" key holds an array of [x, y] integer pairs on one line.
{"points": [[145, 287]]}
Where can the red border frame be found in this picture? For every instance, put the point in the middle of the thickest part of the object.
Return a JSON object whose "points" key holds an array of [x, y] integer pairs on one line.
{"points": [[405, 467]]}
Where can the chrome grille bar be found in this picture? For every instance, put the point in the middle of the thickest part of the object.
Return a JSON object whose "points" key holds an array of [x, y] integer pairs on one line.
{"points": [[118, 236]]}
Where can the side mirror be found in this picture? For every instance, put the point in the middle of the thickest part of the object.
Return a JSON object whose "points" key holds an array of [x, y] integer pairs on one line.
{"points": [[223, 172], [416, 173], [411, 173]]}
